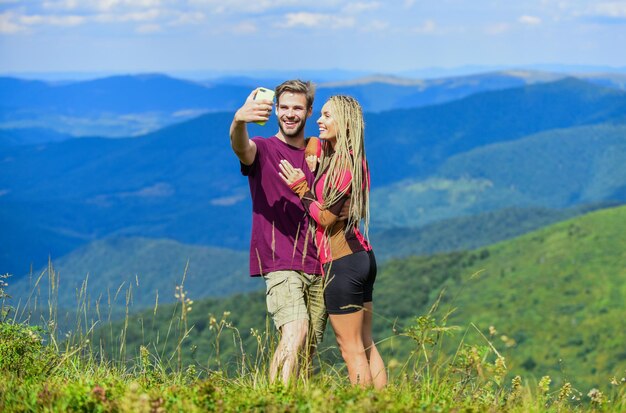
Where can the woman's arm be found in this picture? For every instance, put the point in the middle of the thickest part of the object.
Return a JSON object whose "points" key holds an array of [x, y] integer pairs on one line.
{"points": [[294, 178]]}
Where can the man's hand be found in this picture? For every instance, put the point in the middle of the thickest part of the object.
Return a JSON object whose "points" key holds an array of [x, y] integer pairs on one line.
{"points": [[290, 175], [254, 110], [251, 111]]}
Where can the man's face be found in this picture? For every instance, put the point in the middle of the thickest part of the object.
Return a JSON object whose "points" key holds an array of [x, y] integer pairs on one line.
{"points": [[292, 113]]}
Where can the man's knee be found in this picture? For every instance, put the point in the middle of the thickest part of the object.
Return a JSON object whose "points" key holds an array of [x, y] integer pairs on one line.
{"points": [[293, 334]]}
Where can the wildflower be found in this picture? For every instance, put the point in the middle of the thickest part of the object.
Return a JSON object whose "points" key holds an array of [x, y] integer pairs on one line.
{"points": [[544, 384], [492, 331], [500, 366], [33, 336], [565, 391], [596, 396], [516, 383], [134, 387], [508, 341], [99, 394]]}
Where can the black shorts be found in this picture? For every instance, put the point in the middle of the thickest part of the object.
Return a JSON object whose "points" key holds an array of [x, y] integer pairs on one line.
{"points": [[349, 282]]}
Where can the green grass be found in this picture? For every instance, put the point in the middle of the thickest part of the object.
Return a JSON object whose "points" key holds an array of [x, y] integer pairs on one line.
{"points": [[530, 324], [71, 377], [556, 294]]}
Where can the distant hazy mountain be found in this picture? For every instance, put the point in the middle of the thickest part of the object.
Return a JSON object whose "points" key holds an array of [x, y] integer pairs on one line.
{"points": [[133, 105], [380, 93], [118, 94], [183, 182], [571, 70], [30, 136], [416, 141], [113, 106]]}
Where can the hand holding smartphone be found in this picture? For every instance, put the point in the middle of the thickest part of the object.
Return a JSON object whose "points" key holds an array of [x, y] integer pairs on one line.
{"points": [[264, 94]]}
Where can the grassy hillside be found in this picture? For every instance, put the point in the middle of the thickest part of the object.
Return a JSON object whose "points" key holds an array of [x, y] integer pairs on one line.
{"points": [[557, 294]]}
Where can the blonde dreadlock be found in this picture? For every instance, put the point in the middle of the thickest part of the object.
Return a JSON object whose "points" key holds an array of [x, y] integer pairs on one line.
{"points": [[347, 156]]}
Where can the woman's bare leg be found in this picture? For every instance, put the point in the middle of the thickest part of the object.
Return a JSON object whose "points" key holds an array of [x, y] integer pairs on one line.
{"points": [[376, 364], [348, 330]]}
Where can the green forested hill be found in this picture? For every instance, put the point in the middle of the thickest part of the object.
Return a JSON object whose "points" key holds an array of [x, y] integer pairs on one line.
{"points": [[560, 294], [557, 294], [554, 169], [150, 267], [470, 232]]}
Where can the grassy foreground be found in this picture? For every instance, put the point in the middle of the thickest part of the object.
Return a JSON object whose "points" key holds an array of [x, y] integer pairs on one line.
{"points": [[41, 372]]}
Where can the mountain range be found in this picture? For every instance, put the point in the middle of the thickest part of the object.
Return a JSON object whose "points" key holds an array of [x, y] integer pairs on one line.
{"points": [[546, 145], [132, 105]]}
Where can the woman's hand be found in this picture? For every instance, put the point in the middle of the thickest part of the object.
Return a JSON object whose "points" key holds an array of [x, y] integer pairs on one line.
{"points": [[290, 175], [311, 162]]}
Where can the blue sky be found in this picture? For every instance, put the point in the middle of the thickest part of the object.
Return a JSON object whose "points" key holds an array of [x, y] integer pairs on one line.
{"points": [[378, 36]]}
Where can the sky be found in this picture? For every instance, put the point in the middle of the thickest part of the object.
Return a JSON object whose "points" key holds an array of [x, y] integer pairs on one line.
{"points": [[391, 36]]}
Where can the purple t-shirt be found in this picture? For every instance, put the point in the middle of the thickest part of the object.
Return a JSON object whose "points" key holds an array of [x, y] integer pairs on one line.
{"points": [[280, 236]]}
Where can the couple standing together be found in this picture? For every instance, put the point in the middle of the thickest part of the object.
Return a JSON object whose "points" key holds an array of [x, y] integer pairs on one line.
{"points": [[308, 202]]}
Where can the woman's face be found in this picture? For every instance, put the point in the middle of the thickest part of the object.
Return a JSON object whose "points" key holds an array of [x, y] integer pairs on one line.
{"points": [[326, 122]]}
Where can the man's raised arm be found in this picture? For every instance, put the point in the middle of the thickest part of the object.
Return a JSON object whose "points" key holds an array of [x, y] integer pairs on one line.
{"points": [[251, 111]]}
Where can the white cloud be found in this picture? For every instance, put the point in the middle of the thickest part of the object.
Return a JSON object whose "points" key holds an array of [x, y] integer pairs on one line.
{"points": [[247, 6], [61, 4], [615, 9], [376, 25], [429, 26], [305, 19], [184, 19], [529, 20], [245, 28], [131, 4], [148, 29], [359, 7], [408, 3], [8, 25], [497, 28], [142, 16], [65, 21]]}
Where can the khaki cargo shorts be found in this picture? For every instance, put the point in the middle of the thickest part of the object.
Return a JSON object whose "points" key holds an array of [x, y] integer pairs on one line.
{"points": [[295, 295]]}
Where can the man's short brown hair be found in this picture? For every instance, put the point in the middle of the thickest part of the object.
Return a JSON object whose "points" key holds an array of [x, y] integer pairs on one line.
{"points": [[297, 86]]}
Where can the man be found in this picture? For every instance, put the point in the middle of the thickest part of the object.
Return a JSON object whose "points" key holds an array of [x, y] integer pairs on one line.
{"points": [[282, 248]]}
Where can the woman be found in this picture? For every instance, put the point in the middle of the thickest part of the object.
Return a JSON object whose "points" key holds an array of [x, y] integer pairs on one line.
{"points": [[347, 257]]}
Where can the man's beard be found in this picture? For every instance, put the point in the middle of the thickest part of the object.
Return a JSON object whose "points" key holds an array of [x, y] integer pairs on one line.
{"points": [[294, 132]]}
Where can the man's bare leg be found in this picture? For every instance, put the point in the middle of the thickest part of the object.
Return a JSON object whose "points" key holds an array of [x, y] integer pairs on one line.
{"points": [[286, 357]]}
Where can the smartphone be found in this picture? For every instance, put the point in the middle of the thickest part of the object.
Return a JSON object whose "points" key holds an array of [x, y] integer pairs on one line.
{"points": [[264, 93]]}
